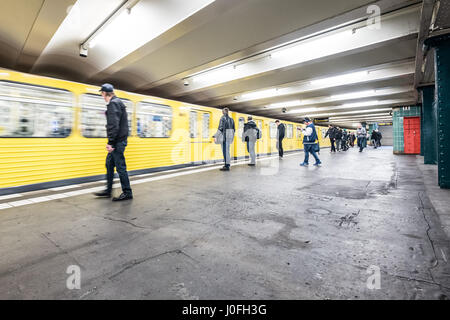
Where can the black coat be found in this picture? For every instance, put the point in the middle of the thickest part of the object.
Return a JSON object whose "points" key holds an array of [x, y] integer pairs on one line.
{"points": [[116, 121], [281, 131]]}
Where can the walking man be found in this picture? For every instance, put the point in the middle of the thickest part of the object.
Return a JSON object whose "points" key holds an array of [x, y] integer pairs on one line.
{"points": [[331, 133], [338, 138], [280, 136], [226, 126], [250, 136], [309, 142], [362, 136], [117, 133]]}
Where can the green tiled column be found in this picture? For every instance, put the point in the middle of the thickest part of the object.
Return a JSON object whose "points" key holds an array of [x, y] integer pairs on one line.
{"points": [[441, 44], [429, 128], [421, 132]]}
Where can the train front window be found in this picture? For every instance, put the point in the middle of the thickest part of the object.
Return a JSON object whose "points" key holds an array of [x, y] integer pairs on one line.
{"points": [[153, 120], [206, 124], [273, 130], [93, 115], [290, 129], [34, 112], [241, 127]]}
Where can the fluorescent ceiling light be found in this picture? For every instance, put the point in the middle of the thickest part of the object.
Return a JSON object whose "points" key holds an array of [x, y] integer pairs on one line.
{"points": [[341, 79], [260, 94], [286, 104], [311, 48], [222, 73], [353, 95], [366, 115], [345, 112], [304, 110], [361, 104]]}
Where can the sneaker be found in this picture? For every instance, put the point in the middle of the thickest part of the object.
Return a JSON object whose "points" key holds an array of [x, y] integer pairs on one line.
{"points": [[251, 164], [303, 164], [318, 163], [103, 194], [122, 197], [225, 169]]}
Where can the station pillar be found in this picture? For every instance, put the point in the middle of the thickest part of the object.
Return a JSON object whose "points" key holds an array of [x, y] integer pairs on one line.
{"points": [[441, 45], [429, 125]]}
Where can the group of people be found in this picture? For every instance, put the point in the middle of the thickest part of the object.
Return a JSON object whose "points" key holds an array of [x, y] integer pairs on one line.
{"points": [[117, 133], [340, 139]]}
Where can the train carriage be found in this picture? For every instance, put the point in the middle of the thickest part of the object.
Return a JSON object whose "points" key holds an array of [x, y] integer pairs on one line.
{"points": [[52, 133]]}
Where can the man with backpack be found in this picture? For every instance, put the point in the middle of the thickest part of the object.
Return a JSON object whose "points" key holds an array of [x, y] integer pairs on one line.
{"points": [[250, 135], [331, 133]]}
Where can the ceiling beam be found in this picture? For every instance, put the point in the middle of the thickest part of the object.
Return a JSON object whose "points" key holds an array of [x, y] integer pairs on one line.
{"points": [[354, 38]]}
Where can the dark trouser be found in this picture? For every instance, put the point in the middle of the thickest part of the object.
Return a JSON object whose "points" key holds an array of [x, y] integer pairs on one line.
{"points": [[116, 159], [226, 153], [333, 148], [309, 148], [280, 147], [361, 143], [338, 144]]}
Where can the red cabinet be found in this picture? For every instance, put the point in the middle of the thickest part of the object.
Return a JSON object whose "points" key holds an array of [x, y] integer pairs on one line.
{"points": [[411, 133]]}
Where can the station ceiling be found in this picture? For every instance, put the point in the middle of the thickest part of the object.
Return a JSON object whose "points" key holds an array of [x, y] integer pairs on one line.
{"points": [[327, 59]]}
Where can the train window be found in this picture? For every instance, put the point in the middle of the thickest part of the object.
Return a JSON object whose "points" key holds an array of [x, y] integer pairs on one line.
{"points": [[193, 124], [153, 120], [273, 130], [35, 112], [205, 131], [290, 129], [241, 127], [299, 132], [93, 115]]}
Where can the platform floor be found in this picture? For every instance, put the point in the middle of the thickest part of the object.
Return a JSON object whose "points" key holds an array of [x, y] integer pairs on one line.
{"points": [[274, 231]]}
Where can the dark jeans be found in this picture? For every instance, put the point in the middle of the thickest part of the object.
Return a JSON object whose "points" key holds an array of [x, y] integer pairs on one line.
{"points": [[116, 159], [361, 143], [280, 147], [309, 148], [333, 148], [226, 153], [338, 144]]}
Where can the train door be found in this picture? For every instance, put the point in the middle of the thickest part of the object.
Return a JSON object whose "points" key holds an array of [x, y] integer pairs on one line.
{"points": [[273, 137], [206, 146], [411, 131], [259, 142], [195, 137], [240, 148]]}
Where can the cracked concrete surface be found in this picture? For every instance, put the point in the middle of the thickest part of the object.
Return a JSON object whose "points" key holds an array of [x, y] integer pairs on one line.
{"points": [[300, 233]]}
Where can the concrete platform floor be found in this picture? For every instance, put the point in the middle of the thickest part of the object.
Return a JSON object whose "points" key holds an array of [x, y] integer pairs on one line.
{"points": [[275, 231]]}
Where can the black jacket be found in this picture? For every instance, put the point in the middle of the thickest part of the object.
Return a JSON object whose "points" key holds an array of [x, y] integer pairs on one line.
{"points": [[116, 121], [331, 132], [281, 131], [338, 134]]}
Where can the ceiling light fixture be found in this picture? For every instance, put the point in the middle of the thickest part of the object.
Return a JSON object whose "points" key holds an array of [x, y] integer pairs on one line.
{"points": [[121, 12]]}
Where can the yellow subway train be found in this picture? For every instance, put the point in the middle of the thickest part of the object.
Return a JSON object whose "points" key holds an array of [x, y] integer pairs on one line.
{"points": [[52, 133]]}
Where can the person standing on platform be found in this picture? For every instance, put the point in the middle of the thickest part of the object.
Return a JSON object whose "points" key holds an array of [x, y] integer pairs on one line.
{"points": [[227, 128], [117, 133], [250, 136], [361, 133], [331, 134], [309, 142], [280, 136], [338, 139]]}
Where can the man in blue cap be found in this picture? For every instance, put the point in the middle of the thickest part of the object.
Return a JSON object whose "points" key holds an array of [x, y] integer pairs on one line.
{"points": [[309, 142], [117, 132]]}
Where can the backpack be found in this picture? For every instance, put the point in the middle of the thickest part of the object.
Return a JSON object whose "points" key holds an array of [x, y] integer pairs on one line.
{"points": [[259, 134]]}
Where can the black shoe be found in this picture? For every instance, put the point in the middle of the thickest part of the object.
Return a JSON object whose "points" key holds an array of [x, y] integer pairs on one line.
{"points": [[251, 164], [103, 194], [122, 197], [225, 169]]}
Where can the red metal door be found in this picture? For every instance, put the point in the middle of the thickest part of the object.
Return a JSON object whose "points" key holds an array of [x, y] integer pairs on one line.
{"points": [[411, 132]]}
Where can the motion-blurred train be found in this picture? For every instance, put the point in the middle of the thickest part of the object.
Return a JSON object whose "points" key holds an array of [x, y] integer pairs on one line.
{"points": [[52, 133]]}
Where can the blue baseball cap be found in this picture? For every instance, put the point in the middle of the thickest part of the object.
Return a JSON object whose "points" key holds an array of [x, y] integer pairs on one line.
{"points": [[107, 87]]}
